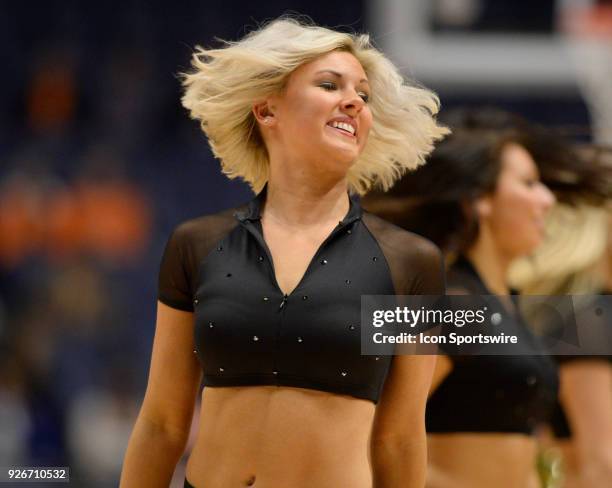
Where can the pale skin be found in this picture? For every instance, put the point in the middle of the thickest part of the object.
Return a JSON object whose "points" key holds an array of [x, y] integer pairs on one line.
{"points": [[282, 436], [511, 224]]}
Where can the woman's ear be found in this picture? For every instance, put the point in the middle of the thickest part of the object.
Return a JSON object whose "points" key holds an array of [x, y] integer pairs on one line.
{"points": [[482, 207], [263, 113]]}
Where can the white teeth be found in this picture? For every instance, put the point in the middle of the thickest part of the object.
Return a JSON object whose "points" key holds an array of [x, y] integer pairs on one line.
{"points": [[346, 127]]}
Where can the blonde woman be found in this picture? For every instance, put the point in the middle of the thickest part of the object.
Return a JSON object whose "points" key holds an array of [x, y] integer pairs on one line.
{"points": [[263, 302]]}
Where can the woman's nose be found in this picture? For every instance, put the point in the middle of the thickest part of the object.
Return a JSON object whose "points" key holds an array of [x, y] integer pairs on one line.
{"points": [[548, 198], [353, 103]]}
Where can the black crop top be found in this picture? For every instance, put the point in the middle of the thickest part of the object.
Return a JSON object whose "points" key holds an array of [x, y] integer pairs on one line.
{"points": [[507, 394], [248, 333]]}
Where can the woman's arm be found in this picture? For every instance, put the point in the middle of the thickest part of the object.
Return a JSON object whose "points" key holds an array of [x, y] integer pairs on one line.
{"points": [[586, 396], [162, 427], [398, 445], [443, 368]]}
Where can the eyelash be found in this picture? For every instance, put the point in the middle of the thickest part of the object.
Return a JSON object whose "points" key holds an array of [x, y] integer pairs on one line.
{"points": [[330, 85]]}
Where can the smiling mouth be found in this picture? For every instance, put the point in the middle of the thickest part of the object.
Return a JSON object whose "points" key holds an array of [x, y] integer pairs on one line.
{"points": [[345, 129]]}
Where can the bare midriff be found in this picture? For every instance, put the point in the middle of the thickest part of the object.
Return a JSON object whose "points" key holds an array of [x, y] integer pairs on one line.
{"points": [[477, 460], [270, 437]]}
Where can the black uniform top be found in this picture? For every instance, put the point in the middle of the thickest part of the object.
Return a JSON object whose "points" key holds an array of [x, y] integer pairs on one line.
{"points": [[247, 332], [504, 394]]}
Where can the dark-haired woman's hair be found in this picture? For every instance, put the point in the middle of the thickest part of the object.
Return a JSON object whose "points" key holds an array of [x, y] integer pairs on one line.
{"points": [[436, 200]]}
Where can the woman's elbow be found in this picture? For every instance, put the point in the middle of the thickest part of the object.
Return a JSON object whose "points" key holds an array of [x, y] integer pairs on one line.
{"points": [[399, 445], [399, 460]]}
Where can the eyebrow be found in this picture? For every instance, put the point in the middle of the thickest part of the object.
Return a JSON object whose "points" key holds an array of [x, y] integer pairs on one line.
{"points": [[339, 75]]}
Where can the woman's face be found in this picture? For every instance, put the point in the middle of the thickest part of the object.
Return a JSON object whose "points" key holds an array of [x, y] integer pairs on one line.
{"points": [[517, 208], [323, 114]]}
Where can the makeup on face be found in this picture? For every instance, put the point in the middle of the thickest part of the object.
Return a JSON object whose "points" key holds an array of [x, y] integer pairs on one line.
{"points": [[520, 202], [324, 109]]}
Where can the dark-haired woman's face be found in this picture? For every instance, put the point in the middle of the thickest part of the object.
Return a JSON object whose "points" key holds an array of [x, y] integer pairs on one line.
{"points": [[516, 210]]}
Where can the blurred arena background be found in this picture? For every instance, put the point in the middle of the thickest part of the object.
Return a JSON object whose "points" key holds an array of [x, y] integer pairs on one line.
{"points": [[98, 162]]}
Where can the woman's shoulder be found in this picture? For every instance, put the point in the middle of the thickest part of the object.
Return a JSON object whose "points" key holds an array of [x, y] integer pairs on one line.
{"points": [[398, 240], [415, 263], [463, 279], [206, 227]]}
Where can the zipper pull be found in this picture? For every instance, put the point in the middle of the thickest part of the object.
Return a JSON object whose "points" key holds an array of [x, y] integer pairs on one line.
{"points": [[284, 301]]}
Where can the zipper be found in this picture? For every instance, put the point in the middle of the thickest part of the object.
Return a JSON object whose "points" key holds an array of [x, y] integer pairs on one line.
{"points": [[279, 328], [283, 302], [255, 232]]}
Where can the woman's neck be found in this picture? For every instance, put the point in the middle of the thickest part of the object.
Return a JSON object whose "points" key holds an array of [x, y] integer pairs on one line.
{"points": [[490, 262], [300, 202]]}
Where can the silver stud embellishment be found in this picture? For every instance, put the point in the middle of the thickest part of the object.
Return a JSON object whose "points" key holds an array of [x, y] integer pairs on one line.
{"points": [[255, 338], [299, 339], [196, 301], [260, 259], [305, 297], [324, 262], [374, 259], [211, 325], [343, 373], [349, 231], [265, 299], [351, 327], [221, 370], [348, 282], [274, 373]]}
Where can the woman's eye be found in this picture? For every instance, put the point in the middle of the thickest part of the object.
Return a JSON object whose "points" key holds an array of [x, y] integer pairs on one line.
{"points": [[328, 85]]}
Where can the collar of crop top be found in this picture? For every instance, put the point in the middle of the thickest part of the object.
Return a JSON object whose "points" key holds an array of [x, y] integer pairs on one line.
{"points": [[253, 210], [464, 265]]}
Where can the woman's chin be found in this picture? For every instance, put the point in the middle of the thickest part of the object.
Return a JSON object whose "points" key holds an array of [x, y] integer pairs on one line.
{"points": [[528, 247], [345, 155]]}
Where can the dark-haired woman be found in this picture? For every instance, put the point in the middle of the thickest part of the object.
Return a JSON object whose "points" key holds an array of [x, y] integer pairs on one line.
{"points": [[481, 198], [576, 260]]}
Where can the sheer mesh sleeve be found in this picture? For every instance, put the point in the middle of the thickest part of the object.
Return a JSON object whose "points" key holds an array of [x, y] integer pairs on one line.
{"points": [[175, 280], [187, 247], [428, 267], [415, 263]]}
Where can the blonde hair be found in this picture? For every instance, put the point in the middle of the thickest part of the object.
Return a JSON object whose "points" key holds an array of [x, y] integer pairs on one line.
{"points": [[569, 261], [225, 83]]}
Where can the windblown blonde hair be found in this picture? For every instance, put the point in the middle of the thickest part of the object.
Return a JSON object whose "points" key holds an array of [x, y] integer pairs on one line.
{"points": [[570, 260], [226, 82]]}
